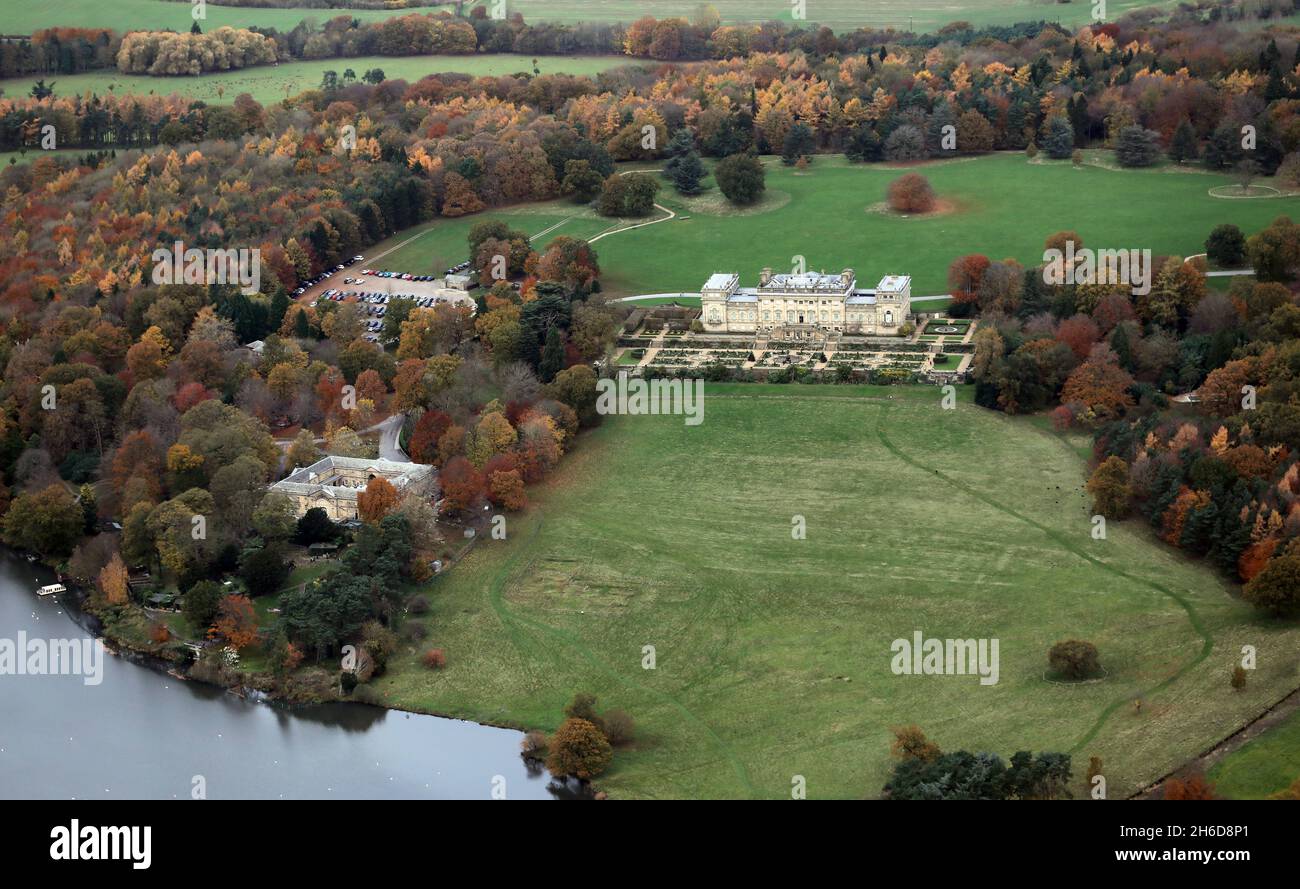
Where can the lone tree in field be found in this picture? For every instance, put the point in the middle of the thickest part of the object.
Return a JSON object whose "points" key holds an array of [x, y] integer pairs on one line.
{"points": [[1074, 659], [1109, 488], [911, 193], [741, 178], [580, 749], [911, 743]]}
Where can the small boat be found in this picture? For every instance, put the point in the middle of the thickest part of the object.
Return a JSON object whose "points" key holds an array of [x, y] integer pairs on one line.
{"points": [[51, 589]]}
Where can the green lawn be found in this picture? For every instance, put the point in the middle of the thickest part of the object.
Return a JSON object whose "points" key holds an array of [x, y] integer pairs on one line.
{"points": [[26, 157], [271, 83], [773, 654], [923, 15], [1263, 765], [1007, 206]]}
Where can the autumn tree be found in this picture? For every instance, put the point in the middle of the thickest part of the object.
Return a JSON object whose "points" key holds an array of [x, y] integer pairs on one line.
{"points": [[236, 621], [462, 484], [1192, 786], [580, 749], [377, 500], [113, 581], [506, 489], [1109, 488], [911, 743], [47, 521], [1276, 589], [911, 193], [1101, 388], [1074, 659]]}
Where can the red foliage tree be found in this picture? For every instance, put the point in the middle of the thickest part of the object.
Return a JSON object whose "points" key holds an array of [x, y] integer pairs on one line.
{"points": [[1079, 333], [462, 484], [964, 276], [423, 444]]}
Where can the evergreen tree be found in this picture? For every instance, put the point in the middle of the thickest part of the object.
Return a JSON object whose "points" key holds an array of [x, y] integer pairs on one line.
{"points": [[1183, 146], [798, 143], [552, 356], [686, 173]]}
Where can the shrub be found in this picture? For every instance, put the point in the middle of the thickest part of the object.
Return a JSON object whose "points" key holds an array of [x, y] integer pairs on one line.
{"points": [[414, 631], [418, 605], [1074, 659], [911, 193], [1191, 787], [583, 706], [534, 744], [435, 659], [1238, 677], [620, 728]]}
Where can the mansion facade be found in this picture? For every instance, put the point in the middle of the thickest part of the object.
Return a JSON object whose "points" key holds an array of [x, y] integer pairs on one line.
{"points": [[795, 305]]}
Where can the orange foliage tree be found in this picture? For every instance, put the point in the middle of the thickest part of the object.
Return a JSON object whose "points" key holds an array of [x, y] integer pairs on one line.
{"points": [[377, 500], [112, 581], [236, 621], [911, 193]]}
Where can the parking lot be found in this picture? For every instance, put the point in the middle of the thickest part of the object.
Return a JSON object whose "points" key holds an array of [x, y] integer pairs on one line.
{"points": [[375, 291], [376, 288]]}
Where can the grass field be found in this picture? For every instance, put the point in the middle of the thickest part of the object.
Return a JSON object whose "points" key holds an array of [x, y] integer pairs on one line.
{"points": [[772, 654], [1006, 207], [1263, 766], [269, 83], [921, 15]]}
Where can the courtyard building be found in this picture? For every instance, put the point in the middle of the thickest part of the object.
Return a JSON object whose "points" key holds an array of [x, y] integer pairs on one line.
{"points": [[803, 305], [332, 483]]}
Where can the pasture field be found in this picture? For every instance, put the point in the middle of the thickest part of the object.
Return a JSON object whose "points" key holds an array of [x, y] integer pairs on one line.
{"points": [[772, 655], [271, 83], [1263, 766], [1005, 206], [842, 15]]}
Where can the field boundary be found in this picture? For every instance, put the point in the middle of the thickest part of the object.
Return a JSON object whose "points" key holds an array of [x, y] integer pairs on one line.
{"points": [[1207, 644]]}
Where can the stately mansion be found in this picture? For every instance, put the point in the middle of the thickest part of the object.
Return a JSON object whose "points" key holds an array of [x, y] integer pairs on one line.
{"points": [[332, 483], [798, 305]]}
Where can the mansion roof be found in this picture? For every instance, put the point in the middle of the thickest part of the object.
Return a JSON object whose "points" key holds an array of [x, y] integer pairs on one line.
{"points": [[326, 477]]}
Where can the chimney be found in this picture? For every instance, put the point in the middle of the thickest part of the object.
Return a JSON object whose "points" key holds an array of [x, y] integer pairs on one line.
{"points": [[764, 277]]}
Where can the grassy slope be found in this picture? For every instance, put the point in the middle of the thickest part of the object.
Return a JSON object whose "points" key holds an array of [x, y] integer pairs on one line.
{"points": [[1263, 766], [272, 83], [923, 15], [1006, 207], [773, 654]]}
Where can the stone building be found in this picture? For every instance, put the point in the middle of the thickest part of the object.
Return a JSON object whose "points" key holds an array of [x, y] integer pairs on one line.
{"points": [[332, 483], [797, 305]]}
